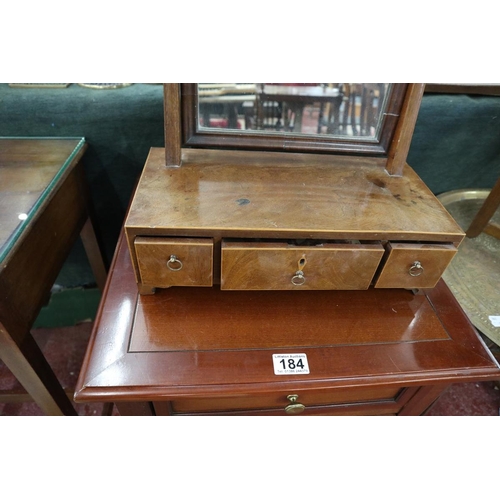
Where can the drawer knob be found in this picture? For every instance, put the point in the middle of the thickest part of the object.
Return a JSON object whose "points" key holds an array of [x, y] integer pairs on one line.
{"points": [[294, 407], [416, 269], [174, 264], [298, 278]]}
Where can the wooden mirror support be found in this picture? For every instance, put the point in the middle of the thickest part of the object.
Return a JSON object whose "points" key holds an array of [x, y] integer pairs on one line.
{"points": [[256, 212]]}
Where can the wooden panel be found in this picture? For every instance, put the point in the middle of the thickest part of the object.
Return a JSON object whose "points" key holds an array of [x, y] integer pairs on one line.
{"points": [[307, 398], [172, 114], [277, 266], [208, 319], [30, 269], [375, 408], [403, 259], [401, 141], [240, 194], [166, 262]]}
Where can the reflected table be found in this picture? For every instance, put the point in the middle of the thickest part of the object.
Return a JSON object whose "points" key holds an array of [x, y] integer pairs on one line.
{"points": [[43, 209], [203, 351]]}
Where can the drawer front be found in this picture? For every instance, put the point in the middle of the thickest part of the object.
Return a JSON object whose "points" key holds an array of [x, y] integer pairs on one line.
{"points": [[414, 265], [166, 262], [279, 266], [311, 400]]}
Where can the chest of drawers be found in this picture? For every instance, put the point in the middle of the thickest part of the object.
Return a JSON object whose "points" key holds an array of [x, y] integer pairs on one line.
{"points": [[203, 351], [285, 221]]}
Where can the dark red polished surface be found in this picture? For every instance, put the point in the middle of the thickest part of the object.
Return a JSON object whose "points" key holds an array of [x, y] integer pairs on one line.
{"points": [[65, 349], [115, 369]]}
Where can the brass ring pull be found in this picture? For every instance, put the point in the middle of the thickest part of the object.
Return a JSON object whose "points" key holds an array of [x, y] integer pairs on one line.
{"points": [[174, 264], [294, 407], [416, 269], [298, 278]]}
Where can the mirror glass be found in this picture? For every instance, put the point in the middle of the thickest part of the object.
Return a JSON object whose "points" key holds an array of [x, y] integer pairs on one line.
{"points": [[346, 110]]}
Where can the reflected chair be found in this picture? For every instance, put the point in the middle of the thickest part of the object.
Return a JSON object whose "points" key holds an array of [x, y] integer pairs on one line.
{"points": [[361, 104]]}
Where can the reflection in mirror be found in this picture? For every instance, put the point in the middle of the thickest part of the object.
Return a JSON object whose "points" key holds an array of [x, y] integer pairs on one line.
{"points": [[335, 109]]}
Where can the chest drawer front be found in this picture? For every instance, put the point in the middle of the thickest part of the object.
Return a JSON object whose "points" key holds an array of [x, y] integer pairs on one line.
{"points": [[414, 265], [310, 399], [280, 266], [166, 262]]}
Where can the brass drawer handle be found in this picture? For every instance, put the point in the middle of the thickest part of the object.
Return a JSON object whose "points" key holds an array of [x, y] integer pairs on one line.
{"points": [[294, 407], [298, 278], [174, 264], [416, 269]]}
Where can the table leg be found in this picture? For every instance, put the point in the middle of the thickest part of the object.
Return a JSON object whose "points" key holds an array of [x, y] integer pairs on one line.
{"points": [[94, 254], [422, 401], [28, 364], [135, 409]]}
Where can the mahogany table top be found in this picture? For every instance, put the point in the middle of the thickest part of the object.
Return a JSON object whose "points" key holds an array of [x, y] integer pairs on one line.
{"points": [[189, 342]]}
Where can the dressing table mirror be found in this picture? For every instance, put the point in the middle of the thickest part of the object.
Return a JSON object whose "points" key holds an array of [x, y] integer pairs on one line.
{"points": [[288, 187]]}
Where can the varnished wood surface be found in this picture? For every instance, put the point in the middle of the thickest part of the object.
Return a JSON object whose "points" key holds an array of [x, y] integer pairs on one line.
{"points": [[192, 267], [171, 101], [401, 141], [27, 167], [209, 319], [388, 400], [31, 267], [112, 372], [321, 397], [434, 259], [50, 170], [280, 195], [274, 266]]}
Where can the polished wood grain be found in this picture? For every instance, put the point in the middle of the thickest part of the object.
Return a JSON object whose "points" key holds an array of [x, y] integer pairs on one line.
{"points": [[400, 145], [278, 319], [36, 250], [366, 401], [192, 265], [283, 195], [113, 370], [434, 259], [171, 103], [27, 169], [237, 194], [377, 408], [277, 266], [31, 267]]}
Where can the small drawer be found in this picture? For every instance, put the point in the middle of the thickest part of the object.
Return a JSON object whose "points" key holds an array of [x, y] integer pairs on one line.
{"points": [[283, 402], [280, 266], [414, 265], [166, 262]]}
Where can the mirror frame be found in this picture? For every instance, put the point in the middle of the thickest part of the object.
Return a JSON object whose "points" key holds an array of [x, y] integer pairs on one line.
{"points": [[181, 110], [193, 137]]}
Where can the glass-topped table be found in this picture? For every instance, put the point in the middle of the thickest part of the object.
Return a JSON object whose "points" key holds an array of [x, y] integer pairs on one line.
{"points": [[43, 209]]}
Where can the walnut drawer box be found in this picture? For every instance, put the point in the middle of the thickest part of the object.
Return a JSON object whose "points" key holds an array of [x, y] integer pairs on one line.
{"points": [[283, 221]]}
